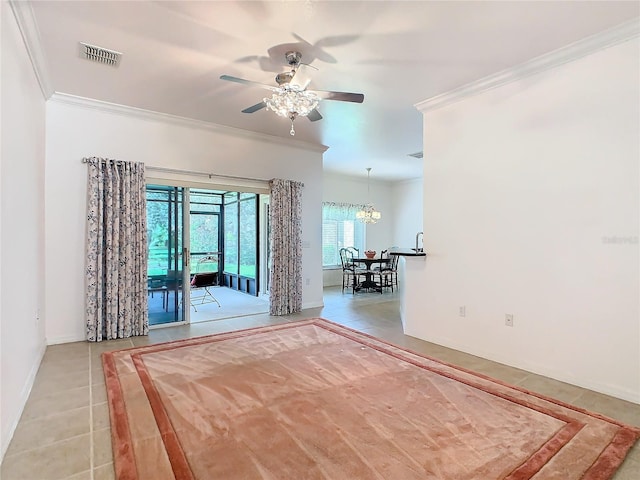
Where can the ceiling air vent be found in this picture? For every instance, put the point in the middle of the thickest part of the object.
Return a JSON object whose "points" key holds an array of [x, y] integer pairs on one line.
{"points": [[416, 155], [100, 55]]}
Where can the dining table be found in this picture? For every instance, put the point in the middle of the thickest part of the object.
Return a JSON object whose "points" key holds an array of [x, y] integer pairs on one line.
{"points": [[369, 283]]}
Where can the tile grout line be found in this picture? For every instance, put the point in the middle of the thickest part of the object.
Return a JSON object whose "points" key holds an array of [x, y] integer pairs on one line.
{"points": [[22, 452], [52, 415], [91, 413]]}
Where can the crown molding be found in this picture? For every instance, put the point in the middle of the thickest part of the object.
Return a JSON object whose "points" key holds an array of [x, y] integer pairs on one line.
{"points": [[134, 112], [23, 13], [25, 18], [569, 53]]}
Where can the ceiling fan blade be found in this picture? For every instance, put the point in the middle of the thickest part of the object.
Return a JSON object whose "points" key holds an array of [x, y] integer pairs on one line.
{"points": [[229, 78], [314, 115], [254, 108], [340, 96]]}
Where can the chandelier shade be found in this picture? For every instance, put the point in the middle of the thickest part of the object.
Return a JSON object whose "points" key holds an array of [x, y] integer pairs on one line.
{"points": [[368, 214]]}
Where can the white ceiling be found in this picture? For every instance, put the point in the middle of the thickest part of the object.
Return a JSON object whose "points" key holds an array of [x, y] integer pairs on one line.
{"points": [[396, 53]]}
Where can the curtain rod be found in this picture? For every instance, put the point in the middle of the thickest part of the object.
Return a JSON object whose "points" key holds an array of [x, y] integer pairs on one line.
{"points": [[192, 172], [201, 174]]}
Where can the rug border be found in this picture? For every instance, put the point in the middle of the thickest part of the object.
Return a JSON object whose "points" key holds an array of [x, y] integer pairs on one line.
{"points": [[124, 462], [529, 466], [495, 380], [607, 462]]}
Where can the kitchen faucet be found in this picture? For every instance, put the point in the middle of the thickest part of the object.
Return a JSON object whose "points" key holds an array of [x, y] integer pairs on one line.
{"points": [[417, 238]]}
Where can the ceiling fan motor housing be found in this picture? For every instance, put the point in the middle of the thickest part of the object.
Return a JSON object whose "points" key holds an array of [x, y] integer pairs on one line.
{"points": [[293, 58]]}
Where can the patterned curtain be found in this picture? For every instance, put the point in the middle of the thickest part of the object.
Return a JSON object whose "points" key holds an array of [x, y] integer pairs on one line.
{"points": [[116, 263], [285, 238]]}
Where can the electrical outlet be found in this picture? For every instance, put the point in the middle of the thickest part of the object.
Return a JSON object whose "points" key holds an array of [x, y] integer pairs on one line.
{"points": [[307, 281], [463, 311], [508, 320]]}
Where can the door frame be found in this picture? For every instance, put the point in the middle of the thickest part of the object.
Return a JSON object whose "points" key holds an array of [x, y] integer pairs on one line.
{"points": [[262, 244], [265, 250]]}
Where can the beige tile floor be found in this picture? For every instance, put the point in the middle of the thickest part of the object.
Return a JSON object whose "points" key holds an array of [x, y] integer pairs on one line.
{"points": [[64, 430]]}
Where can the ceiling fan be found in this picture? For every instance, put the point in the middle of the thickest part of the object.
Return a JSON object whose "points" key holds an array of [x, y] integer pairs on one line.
{"points": [[292, 100]]}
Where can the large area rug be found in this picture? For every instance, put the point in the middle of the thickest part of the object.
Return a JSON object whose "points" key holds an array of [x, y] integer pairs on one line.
{"points": [[315, 400]]}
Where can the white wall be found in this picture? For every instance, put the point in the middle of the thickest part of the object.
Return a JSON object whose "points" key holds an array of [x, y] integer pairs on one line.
{"points": [[21, 227], [407, 208], [75, 131], [531, 207]]}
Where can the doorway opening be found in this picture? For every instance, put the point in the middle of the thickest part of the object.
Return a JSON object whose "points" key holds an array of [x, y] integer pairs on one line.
{"points": [[206, 254]]}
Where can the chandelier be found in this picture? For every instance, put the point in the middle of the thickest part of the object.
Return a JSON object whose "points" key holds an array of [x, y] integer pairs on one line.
{"points": [[291, 101], [368, 214]]}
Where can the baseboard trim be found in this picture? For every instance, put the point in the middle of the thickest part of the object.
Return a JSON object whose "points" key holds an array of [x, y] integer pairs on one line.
{"points": [[606, 389], [65, 339], [24, 396], [312, 305]]}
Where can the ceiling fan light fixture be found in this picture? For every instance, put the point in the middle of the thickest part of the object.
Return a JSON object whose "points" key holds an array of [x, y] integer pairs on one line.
{"points": [[292, 100], [289, 99]]}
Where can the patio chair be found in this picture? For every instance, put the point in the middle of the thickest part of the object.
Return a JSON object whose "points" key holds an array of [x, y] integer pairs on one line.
{"points": [[203, 280], [157, 285]]}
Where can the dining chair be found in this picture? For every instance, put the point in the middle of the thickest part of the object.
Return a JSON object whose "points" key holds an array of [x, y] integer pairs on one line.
{"points": [[383, 254], [389, 273], [351, 274], [354, 251]]}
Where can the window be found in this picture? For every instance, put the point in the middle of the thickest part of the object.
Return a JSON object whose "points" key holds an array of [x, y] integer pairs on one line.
{"points": [[339, 229], [164, 229], [205, 208], [240, 234], [248, 234]]}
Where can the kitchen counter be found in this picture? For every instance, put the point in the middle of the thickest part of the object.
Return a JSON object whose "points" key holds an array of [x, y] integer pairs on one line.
{"points": [[407, 252]]}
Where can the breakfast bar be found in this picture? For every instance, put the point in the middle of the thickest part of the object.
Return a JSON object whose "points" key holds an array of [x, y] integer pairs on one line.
{"points": [[412, 267]]}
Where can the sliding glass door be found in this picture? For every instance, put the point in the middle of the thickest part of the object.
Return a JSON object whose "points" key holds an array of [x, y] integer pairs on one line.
{"points": [[196, 231], [165, 237]]}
